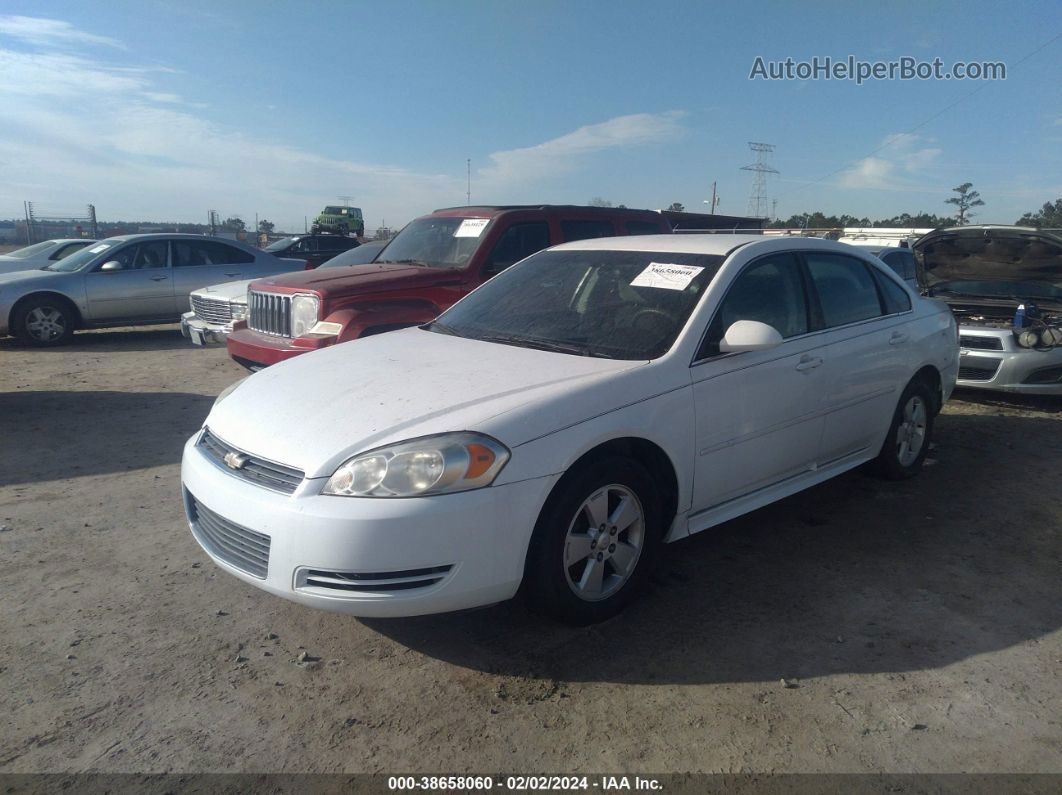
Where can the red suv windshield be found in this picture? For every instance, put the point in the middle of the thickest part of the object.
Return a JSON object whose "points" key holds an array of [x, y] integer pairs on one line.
{"points": [[436, 242]]}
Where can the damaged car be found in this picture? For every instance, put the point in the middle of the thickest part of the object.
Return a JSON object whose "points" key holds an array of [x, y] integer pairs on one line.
{"points": [[1004, 286]]}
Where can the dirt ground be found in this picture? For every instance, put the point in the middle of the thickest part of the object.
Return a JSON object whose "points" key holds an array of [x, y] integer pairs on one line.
{"points": [[917, 626]]}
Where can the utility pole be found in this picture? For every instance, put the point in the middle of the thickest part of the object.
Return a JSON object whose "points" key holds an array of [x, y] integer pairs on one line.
{"points": [[758, 198], [468, 195], [714, 202]]}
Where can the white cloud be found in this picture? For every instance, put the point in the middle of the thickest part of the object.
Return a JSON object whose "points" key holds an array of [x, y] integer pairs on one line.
{"points": [[139, 152], [562, 154], [51, 32], [898, 163]]}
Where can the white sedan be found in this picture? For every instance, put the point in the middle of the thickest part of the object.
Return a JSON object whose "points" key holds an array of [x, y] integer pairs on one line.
{"points": [[40, 255], [558, 424]]}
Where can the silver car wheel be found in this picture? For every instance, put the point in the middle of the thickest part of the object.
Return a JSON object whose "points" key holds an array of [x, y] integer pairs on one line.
{"points": [[45, 323], [911, 433], [604, 542]]}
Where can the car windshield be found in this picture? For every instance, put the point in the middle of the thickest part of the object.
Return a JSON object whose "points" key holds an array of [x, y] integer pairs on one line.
{"points": [[79, 258], [32, 251], [279, 245], [614, 304], [359, 255], [436, 242]]}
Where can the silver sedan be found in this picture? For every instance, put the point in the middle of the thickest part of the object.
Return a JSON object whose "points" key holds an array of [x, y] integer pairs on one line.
{"points": [[128, 280]]}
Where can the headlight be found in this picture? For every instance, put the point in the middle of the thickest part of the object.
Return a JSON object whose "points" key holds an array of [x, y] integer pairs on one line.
{"points": [[1028, 339], [441, 464], [238, 309], [229, 390], [304, 309]]}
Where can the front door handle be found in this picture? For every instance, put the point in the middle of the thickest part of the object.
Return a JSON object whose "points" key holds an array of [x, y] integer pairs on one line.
{"points": [[898, 337], [808, 363], [237, 273], [159, 278]]}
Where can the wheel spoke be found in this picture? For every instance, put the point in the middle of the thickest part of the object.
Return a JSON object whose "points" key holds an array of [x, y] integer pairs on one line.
{"points": [[623, 558], [596, 508], [625, 514], [590, 582], [576, 548]]}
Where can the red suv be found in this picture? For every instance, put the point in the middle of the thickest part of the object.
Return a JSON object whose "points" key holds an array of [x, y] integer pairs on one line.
{"points": [[430, 264]]}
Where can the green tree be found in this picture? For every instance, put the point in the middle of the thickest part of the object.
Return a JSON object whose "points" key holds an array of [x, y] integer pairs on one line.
{"points": [[266, 226], [234, 224], [676, 207], [597, 201], [965, 201], [1049, 216]]}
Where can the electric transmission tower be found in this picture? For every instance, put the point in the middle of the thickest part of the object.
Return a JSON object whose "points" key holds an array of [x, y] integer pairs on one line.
{"points": [[760, 169]]}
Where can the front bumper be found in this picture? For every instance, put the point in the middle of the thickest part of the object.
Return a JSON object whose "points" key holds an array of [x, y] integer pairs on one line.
{"points": [[199, 332], [474, 542], [256, 351], [1013, 369]]}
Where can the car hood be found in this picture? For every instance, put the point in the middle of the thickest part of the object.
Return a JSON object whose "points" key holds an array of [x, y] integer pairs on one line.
{"points": [[316, 410], [359, 279], [1003, 261], [227, 290]]}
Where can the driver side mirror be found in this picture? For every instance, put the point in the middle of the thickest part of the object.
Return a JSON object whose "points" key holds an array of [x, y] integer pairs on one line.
{"points": [[113, 265], [749, 335]]}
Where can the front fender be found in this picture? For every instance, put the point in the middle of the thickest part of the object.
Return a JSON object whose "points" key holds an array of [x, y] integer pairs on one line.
{"points": [[356, 319]]}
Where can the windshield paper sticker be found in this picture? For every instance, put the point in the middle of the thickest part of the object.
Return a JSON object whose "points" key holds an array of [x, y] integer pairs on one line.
{"points": [[666, 276], [471, 227], [99, 248]]}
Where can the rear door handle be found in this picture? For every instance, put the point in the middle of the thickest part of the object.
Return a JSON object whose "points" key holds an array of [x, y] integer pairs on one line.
{"points": [[898, 337], [809, 363], [159, 278], [237, 273]]}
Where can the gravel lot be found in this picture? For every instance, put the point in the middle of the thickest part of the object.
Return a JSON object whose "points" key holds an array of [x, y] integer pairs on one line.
{"points": [[860, 626]]}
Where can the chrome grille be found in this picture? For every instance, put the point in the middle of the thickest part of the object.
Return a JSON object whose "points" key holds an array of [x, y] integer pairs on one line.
{"points": [[212, 310], [980, 343], [245, 549], [371, 581], [259, 471], [269, 313]]}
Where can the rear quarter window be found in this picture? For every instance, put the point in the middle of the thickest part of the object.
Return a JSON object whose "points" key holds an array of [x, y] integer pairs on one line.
{"points": [[585, 230]]}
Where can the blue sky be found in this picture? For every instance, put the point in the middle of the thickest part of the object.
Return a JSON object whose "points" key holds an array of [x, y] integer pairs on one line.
{"points": [[162, 110]]}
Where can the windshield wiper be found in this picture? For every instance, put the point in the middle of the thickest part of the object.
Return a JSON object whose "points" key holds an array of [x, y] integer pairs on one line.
{"points": [[416, 262], [544, 345], [442, 328]]}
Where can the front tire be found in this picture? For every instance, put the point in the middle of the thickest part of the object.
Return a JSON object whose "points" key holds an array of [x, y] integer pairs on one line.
{"points": [[907, 441], [595, 542], [44, 322]]}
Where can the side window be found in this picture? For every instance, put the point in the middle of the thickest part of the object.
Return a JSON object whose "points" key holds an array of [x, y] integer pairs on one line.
{"points": [[151, 255], [909, 269], [642, 228], [206, 252], [308, 245], [517, 242], [584, 230], [123, 256], [846, 291], [229, 255], [771, 290], [895, 297]]}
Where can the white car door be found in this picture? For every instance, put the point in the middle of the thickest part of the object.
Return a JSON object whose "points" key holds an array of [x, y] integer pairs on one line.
{"points": [[865, 360], [756, 417]]}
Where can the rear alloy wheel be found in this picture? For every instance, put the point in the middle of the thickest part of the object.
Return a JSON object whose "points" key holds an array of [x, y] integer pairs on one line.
{"points": [[594, 542], [44, 322], [907, 442]]}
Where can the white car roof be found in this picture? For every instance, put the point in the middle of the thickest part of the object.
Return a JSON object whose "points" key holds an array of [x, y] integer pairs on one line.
{"points": [[720, 244]]}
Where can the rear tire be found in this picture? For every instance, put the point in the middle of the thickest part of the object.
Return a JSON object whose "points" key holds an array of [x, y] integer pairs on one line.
{"points": [[909, 436], [44, 322], [595, 542]]}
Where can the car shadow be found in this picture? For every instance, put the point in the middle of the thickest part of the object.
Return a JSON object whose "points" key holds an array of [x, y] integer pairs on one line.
{"points": [[124, 431], [133, 338], [857, 575], [1047, 403]]}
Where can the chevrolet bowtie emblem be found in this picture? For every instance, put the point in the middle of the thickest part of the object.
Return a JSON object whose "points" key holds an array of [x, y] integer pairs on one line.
{"points": [[234, 460]]}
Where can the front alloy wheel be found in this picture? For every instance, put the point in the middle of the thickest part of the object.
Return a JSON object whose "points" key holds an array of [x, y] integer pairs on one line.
{"points": [[594, 541], [43, 323]]}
